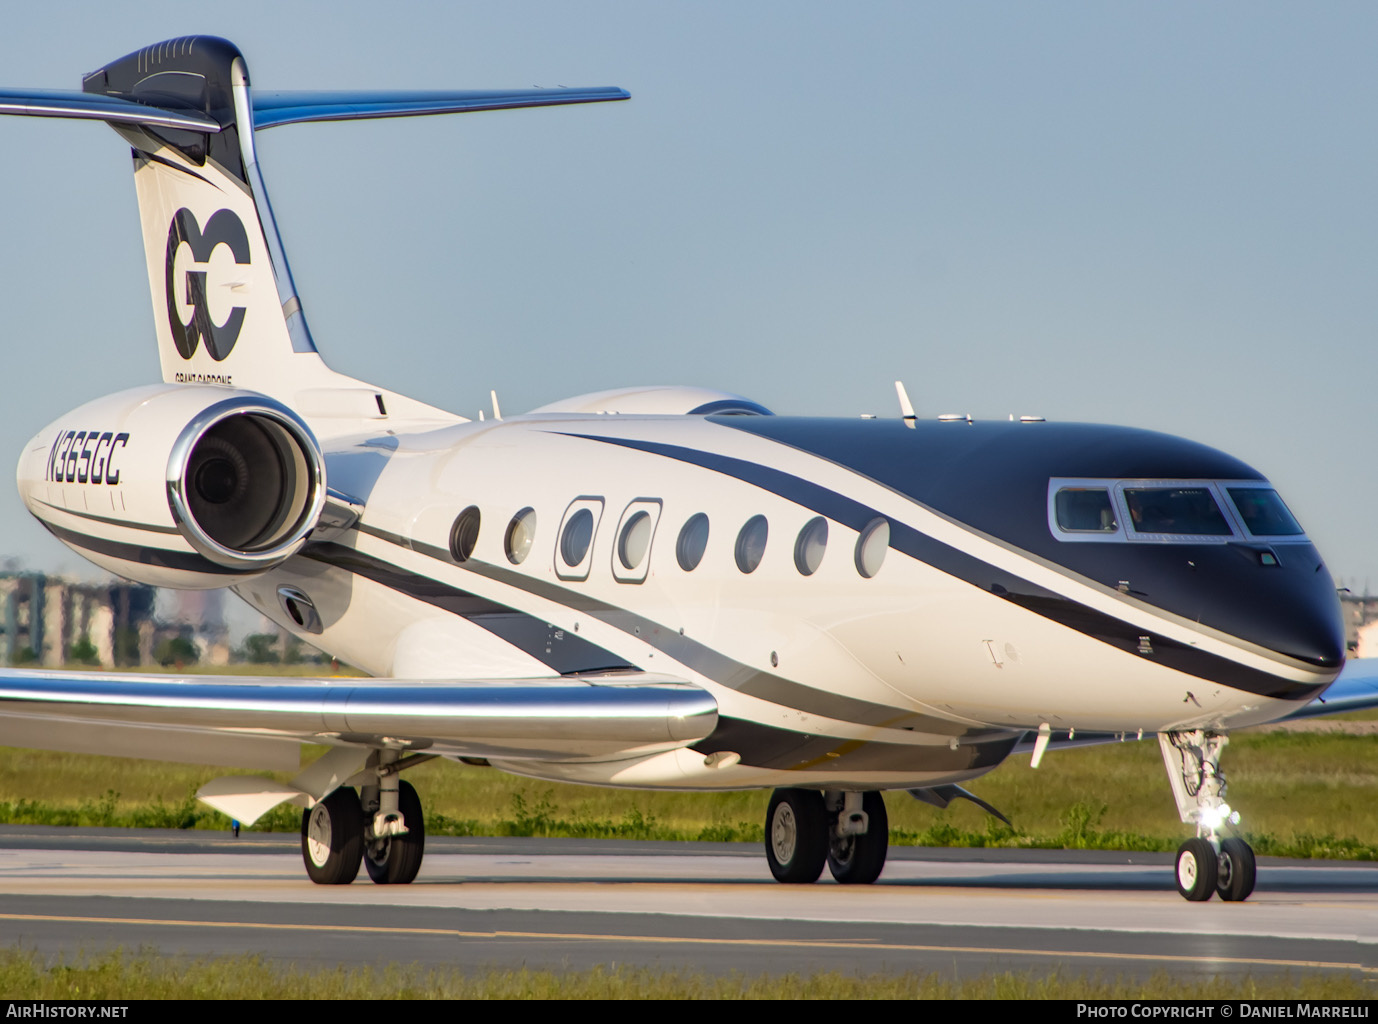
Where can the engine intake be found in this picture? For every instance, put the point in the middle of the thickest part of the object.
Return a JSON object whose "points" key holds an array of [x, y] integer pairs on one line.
{"points": [[245, 482]]}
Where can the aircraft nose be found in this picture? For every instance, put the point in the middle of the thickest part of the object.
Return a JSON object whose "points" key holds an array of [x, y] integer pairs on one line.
{"points": [[1310, 631], [1280, 598], [1293, 611]]}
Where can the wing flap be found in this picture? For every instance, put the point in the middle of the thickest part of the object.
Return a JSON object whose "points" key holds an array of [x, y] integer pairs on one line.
{"points": [[154, 743], [572, 718]]}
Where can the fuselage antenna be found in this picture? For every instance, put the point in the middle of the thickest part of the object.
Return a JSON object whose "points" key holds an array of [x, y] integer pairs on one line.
{"points": [[906, 406]]}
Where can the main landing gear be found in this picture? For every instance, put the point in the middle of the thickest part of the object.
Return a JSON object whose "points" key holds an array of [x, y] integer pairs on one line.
{"points": [[1207, 864], [379, 826], [806, 829]]}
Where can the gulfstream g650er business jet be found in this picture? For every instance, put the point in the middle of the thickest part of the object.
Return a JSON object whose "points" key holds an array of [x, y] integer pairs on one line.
{"points": [[654, 587]]}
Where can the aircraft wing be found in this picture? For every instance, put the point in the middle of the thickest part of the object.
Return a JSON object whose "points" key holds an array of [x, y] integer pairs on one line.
{"points": [[260, 722], [1355, 690]]}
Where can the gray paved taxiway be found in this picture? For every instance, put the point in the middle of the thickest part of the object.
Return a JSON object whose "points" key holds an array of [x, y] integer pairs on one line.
{"points": [[573, 903]]}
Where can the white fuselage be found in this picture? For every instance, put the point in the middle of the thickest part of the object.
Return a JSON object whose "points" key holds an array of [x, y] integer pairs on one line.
{"points": [[904, 679]]}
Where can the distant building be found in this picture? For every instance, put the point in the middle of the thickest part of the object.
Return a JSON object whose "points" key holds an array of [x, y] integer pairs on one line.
{"points": [[198, 615], [52, 621], [45, 619], [1359, 612]]}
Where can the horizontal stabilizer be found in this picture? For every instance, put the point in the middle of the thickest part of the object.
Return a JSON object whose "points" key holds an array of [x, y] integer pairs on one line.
{"points": [[95, 107], [275, 108], [606, 717]]}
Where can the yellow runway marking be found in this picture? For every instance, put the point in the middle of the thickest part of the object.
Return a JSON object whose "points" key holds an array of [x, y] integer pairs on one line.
{"points": [[694, 941]]}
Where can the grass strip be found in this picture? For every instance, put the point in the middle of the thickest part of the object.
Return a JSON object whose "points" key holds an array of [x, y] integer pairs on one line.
{"points": [[1301, 794], [120, 975]]}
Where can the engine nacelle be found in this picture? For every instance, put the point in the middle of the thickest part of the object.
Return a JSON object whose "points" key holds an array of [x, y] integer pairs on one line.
{"points": [[176, 485]]}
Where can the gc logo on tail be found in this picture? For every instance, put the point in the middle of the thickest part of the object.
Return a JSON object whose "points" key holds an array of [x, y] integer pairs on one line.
{"points": [[226, 228]]}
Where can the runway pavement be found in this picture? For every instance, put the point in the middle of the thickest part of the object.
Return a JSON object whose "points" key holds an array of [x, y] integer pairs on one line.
{"points": [[574, 903]]}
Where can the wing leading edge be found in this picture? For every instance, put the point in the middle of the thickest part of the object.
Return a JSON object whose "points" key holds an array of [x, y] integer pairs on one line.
{"points": [[1356, 689], [259, 722]]}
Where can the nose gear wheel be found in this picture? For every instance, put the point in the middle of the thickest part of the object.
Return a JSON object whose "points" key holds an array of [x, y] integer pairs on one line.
{"points": [[1196, 869], [1236, 870]]}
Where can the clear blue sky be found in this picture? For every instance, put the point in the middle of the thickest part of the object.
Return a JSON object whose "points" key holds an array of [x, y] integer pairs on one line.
{"points": [[1161, 215]]}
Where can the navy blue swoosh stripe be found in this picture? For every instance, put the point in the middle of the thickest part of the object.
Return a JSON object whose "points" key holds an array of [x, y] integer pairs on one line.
{"points": [[111, 520], [162, 558], [558, 649], [760, 746], [841, 509], [970, 569], [689, 652]]}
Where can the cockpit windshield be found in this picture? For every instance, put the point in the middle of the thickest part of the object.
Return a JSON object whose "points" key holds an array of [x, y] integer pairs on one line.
{"points": [[1168, 511], [1175, 510], [1263, 512]]}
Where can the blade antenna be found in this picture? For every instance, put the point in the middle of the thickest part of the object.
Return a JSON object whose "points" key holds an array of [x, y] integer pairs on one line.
{"points": [[906, 406]]}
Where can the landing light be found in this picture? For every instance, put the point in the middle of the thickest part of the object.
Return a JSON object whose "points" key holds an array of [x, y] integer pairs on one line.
{"points": [[1213, 817]]}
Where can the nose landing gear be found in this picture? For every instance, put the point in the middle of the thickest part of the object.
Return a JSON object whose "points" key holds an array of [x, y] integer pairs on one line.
{"points": [[806, 829], [1207, 864]]}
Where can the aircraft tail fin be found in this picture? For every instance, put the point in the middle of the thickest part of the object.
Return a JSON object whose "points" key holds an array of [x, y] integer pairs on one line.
{"points": [[225, 306]]}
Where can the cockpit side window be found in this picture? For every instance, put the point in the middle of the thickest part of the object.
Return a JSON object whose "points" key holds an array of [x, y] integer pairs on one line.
{"points": [[1085, 510], [1263, 513], [1176, 510]]}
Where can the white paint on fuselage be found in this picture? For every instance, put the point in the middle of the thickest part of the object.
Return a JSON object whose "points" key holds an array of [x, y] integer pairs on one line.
{"points": [[913, 639]]}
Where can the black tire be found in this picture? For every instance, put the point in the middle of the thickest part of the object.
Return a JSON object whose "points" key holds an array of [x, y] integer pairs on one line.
{"points": [[859, 860], [1236, 870], [332, 838], [796, 835], [1197, 870], [395, 860]]}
